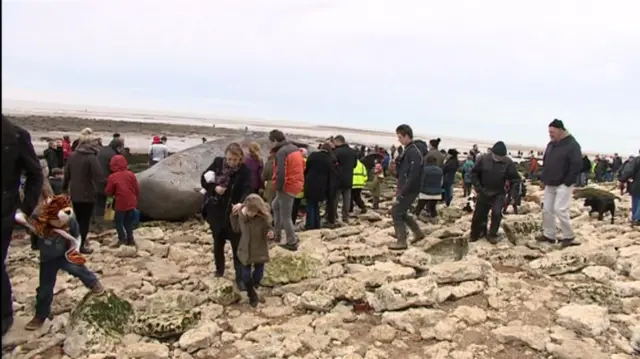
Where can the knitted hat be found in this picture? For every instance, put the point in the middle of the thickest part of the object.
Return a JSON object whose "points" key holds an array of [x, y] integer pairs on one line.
{"points": [[557, 124], [499, 149]]}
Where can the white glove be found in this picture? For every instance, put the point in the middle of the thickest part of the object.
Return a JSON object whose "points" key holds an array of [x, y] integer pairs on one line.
{"points": [[203, 191], [20, 217], [210, 176]]}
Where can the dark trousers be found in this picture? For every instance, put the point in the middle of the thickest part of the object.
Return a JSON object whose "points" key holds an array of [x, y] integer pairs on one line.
{"points": [[429, 204], [219, 241], [101, 202], [83, 212], [356, 197], [447, 194], [345, 194], [295, 209], [402, 218], [313, 215], [485, 204], [7, 296], [123, 220], [467, 189], [48, 275], [331, 209], [252, 274]]}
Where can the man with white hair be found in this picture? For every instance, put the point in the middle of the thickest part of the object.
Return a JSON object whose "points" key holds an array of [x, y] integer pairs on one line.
{"points": [[561, 165]]}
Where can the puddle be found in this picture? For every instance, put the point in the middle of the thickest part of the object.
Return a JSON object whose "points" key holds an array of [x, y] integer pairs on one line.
{"points": [[444, 251]]}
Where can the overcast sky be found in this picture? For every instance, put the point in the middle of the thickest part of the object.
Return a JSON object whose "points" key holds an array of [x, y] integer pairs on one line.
{"points": [[491, 69]]}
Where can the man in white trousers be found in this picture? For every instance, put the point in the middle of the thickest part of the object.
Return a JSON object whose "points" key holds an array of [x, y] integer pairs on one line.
{"points": [[561, 165]]}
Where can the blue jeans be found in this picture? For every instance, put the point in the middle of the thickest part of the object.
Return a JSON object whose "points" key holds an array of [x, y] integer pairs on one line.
{"points": [[48, 275], [252, 274], [448, 194], [313, 215], [635, 208], [123, 221]]}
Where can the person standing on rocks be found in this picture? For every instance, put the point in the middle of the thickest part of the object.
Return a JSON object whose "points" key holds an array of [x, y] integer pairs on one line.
{"points": [[227, 182], [83, 179], [158, 151], [122, 184], [66, 148], [267, 177], [409, 174], [288, 175], [105, 154], [467, 168], [490, 175], [347, 159], [430, 189], [18, 157], [631, 171], [51, 156], [317, 183], [449, 169], [360, 179], [254, 162], [435, 152], [562, 163]]}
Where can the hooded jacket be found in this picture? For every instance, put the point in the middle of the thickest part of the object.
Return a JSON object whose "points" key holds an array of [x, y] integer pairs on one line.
{"points": [[631, 171], [122, 184], [347, 161], [83, 174], [490, 176]]}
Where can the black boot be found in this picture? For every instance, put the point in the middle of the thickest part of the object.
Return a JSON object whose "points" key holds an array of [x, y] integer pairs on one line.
{"points": [[252, 293], [401, 235], [415, 229]]}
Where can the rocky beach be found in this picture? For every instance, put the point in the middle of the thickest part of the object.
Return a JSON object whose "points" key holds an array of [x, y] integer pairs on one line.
{"points": [[345, 295]]}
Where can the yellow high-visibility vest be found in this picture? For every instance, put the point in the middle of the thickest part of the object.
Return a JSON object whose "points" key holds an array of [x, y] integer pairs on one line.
{"points": [[359, 175]]}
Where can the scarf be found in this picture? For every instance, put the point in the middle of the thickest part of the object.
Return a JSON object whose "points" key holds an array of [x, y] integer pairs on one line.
{"points": [[227, 173]]}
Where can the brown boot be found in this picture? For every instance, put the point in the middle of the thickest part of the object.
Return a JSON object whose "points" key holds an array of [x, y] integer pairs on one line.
{"points": [[34, 324], [98, 289]]}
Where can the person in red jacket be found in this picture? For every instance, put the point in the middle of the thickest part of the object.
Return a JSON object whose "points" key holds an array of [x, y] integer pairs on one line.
{"points": [[122, 184], [66, 148]]}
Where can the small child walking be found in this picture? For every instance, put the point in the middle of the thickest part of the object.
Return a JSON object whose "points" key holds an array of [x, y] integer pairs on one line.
{"points": [[122, 184], [431, 189], [376, 184], [253, 221], [58, 242]]}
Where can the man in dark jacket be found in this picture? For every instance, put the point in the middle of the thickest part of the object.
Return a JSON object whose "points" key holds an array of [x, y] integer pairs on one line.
{"points": [[631, 172], [409, 174], [616, 164], [562, 163], [53, 156], [18, 156], [347, 159], [105, 154], [489, 176]]}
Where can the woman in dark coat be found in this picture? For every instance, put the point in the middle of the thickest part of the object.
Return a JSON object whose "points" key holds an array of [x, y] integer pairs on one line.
{"points": [[318, 176], [227, 182], [449, 169]]}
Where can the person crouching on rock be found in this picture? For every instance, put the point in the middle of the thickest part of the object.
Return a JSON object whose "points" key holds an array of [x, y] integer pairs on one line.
{"points": [[122, 184], [58, 236], [253, 221], [489, 177], [227, 182]]}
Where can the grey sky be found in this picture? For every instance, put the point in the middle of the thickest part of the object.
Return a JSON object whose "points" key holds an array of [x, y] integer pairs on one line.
{"points": [[494, 69]]}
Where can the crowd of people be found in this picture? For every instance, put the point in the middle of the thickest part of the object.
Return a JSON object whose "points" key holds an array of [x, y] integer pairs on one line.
{"points": [[251, 201]]}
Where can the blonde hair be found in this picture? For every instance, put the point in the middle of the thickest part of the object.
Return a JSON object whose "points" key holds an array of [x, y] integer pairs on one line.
{"points": [[86, 136], [254, 151], [236, 150], [257, 205]]}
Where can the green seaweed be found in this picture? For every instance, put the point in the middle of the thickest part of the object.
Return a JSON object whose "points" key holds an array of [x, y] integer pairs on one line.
{"points": [[289, 269], [107, 313]]}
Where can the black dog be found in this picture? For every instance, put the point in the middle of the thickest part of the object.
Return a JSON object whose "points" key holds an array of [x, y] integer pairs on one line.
{"points": [[601, 206]]}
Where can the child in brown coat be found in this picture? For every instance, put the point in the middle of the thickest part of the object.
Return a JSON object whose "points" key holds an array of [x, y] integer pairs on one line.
{"points": [[253, 221]]}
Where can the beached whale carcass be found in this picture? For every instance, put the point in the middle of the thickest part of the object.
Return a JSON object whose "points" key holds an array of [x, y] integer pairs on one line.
{"points": [[170, 190]]}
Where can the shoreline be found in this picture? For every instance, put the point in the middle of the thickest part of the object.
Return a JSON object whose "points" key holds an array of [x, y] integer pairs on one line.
{"points": [[198, 123]]}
